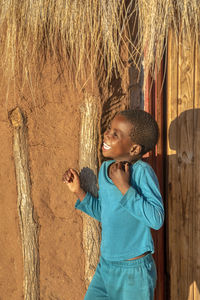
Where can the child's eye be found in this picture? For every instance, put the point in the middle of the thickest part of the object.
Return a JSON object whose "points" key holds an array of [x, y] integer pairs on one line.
{"points": [[108, 128], [115, 134]]}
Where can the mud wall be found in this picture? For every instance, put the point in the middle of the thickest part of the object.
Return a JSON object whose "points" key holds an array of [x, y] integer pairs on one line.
{"points": [[53, 120], [52, 117]]}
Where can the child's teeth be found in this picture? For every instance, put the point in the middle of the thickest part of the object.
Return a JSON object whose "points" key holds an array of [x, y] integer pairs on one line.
{"points": [[106, 146]]}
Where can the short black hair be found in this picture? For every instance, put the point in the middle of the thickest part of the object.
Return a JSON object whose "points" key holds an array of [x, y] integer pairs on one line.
{"points": [[145, 131]]}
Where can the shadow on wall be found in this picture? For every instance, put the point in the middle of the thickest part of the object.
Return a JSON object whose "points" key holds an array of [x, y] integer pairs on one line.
{"points": [[183, 211]]}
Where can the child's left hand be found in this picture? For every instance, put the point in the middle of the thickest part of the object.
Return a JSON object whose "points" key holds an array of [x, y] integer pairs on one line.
{"points": [[120, 175]]}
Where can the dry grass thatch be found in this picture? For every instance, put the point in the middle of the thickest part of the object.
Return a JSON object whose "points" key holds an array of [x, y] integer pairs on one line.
{"points": [[157, 17], [85, 36]]}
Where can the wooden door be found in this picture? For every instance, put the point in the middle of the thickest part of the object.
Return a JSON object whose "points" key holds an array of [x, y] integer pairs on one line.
{"points": [[183, 169]]}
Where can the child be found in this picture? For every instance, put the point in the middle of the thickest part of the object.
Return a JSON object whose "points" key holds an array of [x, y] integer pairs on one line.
{"points": [[128, 205]]}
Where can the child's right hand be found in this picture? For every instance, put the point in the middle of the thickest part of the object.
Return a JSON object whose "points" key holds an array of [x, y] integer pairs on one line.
{"points": [[71, 177]]}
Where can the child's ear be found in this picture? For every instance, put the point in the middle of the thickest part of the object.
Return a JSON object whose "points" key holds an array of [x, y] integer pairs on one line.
{"points": [[136, 150]]}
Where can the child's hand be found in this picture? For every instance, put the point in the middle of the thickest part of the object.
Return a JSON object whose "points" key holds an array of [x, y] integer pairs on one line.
{"points": [[120, 175], [72, 179]]}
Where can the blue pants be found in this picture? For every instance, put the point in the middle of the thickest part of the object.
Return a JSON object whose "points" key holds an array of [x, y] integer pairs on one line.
{"points": [[123, 280]]}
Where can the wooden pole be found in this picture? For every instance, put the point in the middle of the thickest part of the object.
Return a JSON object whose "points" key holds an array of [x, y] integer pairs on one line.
{"points": [[27, 218], [88, 163]]}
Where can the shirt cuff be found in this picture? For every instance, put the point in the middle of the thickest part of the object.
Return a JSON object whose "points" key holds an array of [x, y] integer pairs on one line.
{"points": [[79, 204]]}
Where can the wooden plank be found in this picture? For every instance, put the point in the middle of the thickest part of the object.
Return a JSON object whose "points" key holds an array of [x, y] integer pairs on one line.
{"points": [[159, 166], [171, 212], [154, 105], [196, 216], [185, 172]]}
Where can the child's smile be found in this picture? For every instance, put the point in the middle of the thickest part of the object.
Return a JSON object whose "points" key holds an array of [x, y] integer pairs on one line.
{"points": [[106, 147], [117, 143]]}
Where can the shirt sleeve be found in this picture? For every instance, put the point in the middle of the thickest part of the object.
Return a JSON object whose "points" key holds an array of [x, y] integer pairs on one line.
{"points": [[143, 199], [91, 206]]}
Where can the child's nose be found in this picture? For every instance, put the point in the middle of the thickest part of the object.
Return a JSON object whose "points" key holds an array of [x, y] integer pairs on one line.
{"points": [[106, 133]]}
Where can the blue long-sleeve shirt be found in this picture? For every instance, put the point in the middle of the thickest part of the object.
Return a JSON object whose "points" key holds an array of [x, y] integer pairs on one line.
{"points": [[126, 219]]}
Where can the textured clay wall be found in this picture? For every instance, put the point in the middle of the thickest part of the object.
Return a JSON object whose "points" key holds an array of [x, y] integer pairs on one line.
{"points": [[53, 121]]}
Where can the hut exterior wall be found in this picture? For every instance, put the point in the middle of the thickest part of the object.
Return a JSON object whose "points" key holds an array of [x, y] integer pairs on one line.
{"points": [[53, 121], [52, 117]]}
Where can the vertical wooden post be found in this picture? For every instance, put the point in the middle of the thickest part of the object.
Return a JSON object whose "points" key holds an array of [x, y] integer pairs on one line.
{"points": [[28, 225], [88, 163], [153, 91], [172, 166], [196, 217]]}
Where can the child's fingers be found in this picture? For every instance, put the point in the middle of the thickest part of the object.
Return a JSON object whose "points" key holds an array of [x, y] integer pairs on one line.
{"points": [[74, 173], [127, 167], [115, 166], [120, 166], [68, 176]]}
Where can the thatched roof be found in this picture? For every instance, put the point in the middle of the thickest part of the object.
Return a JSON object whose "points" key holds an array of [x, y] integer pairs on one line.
{"points": [[80, 33]]}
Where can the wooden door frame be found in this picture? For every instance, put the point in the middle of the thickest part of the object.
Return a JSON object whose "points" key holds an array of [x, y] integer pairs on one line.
{"points": [[154, 104]]}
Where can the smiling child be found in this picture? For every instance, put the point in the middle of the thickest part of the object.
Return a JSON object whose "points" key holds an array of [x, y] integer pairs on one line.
{"points": [[129, 204]]}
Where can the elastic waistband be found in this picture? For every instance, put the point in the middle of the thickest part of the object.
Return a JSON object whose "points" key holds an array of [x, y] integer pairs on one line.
{"points": [[129, 263]]}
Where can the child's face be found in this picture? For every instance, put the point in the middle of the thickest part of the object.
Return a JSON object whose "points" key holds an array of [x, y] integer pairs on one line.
{"points": [[117, 143]]}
